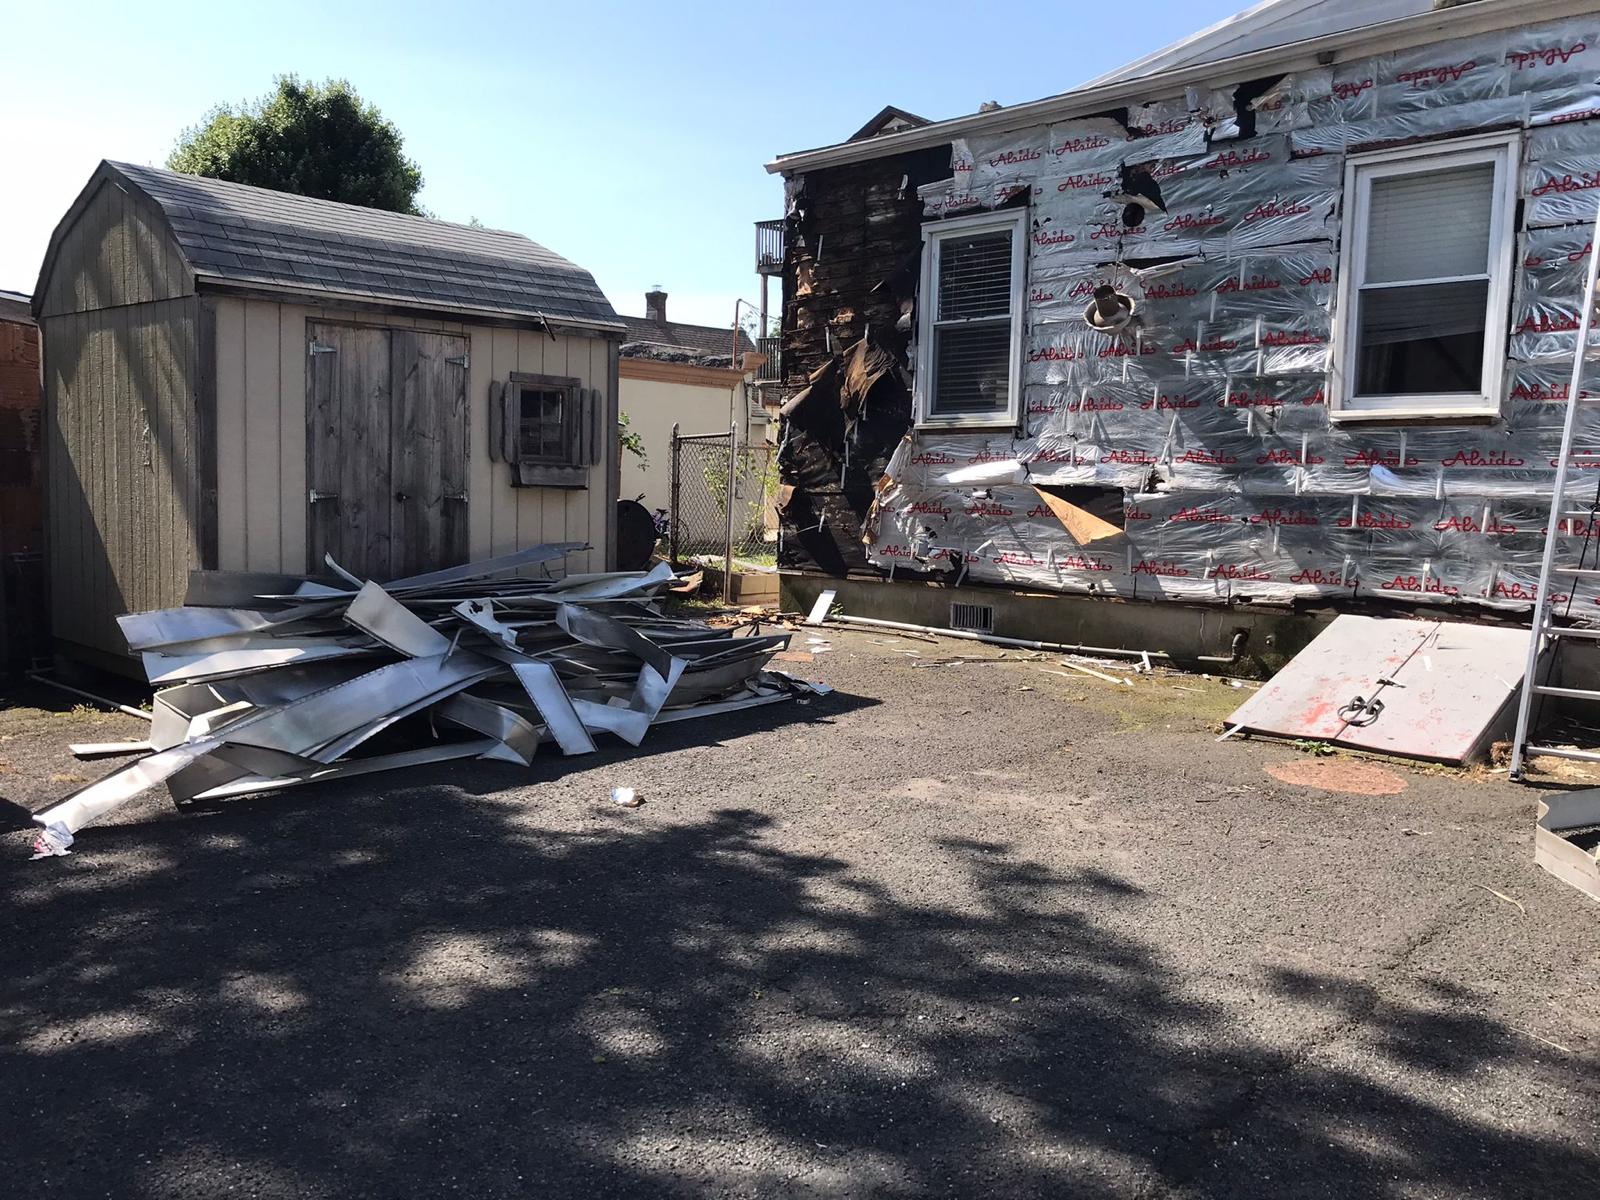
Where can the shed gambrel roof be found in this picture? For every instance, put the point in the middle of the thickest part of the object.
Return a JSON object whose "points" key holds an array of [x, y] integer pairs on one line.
{"points": [[254, 237]]}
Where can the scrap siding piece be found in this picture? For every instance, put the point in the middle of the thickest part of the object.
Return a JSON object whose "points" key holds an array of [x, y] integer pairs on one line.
{"points": [[286, 693]]}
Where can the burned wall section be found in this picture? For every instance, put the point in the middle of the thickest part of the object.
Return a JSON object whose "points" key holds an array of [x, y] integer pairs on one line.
{"points": [[852, 245], [1211, 412]]}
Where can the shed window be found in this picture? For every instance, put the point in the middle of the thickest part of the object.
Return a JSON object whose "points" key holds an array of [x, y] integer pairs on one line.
{"points": [[549, 429], [544, 425], [1425, 279], [970, 344]]}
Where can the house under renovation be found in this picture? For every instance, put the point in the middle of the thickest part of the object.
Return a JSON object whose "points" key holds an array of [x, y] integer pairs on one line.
{"points": [[245, 380], [1278, 318]]}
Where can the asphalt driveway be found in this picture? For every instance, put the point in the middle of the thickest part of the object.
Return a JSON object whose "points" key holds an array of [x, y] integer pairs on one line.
{"points": [[976, 929]]}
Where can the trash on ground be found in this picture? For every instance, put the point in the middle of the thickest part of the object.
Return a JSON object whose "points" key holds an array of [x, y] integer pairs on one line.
{"points": [[341, 677], [625, 797], [1566, 841]]}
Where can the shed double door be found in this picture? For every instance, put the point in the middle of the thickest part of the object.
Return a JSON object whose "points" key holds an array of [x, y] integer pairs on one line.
{"points": [[386, 449]]}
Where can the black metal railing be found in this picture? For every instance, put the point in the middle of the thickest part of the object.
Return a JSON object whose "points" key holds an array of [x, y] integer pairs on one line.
{"points": [[770, 371], [769, 247]]}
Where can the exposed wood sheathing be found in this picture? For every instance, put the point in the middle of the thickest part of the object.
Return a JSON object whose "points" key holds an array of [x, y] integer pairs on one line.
{"points": [[851, 266]]}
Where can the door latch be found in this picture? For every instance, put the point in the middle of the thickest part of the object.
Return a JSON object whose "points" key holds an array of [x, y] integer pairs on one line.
{"points": [[316, 348], [317, 497], [402, 497]]}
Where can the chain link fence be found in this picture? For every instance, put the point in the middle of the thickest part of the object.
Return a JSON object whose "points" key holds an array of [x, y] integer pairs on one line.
{"points": [[700, 499]]}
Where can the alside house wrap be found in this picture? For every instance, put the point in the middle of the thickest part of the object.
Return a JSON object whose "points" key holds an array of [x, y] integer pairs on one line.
{"points": [[1355, 263]]}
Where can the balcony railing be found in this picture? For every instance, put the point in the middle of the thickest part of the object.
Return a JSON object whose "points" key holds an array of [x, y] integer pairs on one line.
{"points": [[770, 371], [769, 247]]}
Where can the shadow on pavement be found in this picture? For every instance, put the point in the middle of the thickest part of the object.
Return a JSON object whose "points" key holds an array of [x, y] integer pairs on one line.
{"points": [[416, 990]]}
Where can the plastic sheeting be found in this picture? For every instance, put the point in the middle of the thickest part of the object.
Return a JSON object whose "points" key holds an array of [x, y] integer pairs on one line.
{"points": [[1211, 416]]}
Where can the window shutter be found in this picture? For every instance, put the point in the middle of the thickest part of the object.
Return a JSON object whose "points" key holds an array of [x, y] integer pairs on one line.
{"points": [[596, 428], [497, 421], [509, 417]]}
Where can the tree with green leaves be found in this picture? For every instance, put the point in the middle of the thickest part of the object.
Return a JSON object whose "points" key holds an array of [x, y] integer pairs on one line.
{"points": [[314, 139]]}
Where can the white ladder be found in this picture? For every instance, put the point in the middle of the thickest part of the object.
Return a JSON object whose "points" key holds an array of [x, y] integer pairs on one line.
{"points": [[1544, 632]]}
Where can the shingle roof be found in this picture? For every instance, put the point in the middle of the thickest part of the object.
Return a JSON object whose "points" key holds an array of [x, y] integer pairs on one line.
{"points": [[14, 306], [251, 235], [675, 335]]}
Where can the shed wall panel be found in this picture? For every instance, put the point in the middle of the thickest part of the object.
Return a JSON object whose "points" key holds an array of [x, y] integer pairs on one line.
{"points": [[231, 540], [292, 495], [116, 251], [264, 400], [125, 486]]}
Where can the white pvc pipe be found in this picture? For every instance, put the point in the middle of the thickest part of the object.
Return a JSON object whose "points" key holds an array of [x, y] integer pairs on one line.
{"points": [[995, 640]]}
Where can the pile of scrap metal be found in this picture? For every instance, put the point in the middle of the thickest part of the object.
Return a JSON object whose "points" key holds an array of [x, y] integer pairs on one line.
{"points": [[263, 688]]}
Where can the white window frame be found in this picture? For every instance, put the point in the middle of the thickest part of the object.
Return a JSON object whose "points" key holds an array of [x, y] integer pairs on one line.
{"points": [[1501, 149], [933, 235]]}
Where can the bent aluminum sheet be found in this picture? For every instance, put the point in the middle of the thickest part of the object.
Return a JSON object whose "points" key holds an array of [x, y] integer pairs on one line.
{"points": [[612, 586], [236, 589], [422, 756], [597, 629], [555, 708], [102, 796], [375, 612], [314, 720], [531, 557], [481, 614], [225, 664], [517, 737], [627, 723], [174, 626]]}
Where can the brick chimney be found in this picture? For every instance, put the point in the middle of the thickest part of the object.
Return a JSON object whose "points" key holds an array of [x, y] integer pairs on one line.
{"points": [[655, 305]]}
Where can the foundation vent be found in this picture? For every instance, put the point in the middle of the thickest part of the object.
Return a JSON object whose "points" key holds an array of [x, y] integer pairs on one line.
{"points": [[978, 618]]}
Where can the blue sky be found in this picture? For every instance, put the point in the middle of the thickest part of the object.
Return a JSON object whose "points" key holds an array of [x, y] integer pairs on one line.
{"points": [[629, 137]]}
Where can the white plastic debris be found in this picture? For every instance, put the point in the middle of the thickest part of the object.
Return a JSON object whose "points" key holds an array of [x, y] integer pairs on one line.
{"points": [[54, 840], [625, 797]]}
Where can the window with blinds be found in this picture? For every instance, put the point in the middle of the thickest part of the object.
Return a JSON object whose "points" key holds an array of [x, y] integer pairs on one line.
{"points": [[1426, 267], [970, 352]]}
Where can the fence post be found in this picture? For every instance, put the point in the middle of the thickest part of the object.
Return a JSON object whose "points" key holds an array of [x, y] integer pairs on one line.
{"points": [[727, 558], [672, 512]]}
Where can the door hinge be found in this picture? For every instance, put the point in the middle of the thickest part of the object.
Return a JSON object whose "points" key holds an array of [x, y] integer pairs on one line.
{"points": [[460, 360], [316, 348]]}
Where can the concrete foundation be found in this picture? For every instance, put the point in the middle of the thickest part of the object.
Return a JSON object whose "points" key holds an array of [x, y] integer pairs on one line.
{"points": [[1185, 631]]}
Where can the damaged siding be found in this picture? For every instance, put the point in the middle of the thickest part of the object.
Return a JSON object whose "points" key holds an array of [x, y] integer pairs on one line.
{"points": [[1211, 415], [852, 243]]}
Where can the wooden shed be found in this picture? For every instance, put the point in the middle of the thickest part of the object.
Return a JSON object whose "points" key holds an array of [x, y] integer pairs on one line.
{"points": [[246, 380]]}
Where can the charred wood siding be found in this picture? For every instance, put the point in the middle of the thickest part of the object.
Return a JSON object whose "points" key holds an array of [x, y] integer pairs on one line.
{"points": [[853, 247]]}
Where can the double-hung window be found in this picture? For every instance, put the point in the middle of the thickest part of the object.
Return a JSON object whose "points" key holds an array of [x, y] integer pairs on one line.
{"points": [[969, 345], [1425, 280]]}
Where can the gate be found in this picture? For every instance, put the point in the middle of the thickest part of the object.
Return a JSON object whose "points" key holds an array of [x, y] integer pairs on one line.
{"points": [[704, 518]]}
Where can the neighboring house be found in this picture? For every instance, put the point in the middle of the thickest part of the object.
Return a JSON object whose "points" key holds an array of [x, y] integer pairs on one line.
{"points": [[677, 373], [247, 380], [1354, 237], [21, 485]]}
